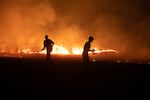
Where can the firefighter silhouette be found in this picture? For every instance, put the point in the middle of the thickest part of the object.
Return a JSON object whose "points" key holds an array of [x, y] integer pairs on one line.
{"points": [[86, 49], [48, 44]]}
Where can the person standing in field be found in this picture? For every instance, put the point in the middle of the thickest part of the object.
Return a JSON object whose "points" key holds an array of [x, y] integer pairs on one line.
{"points": [[48, 44], [86, 49]]}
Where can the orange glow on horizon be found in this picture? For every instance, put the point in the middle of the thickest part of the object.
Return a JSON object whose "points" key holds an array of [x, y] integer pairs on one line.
{"points": [[56, 50]]}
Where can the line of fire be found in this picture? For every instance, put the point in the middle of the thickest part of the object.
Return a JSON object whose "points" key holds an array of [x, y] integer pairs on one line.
{"points": [[59, 50]]}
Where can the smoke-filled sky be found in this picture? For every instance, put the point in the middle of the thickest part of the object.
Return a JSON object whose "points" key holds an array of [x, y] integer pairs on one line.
{"points": [[117, 24]]}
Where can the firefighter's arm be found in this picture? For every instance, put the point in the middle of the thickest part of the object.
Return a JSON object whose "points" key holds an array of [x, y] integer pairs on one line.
{"points": [[44, 46], [93, 50], [52, 43]]}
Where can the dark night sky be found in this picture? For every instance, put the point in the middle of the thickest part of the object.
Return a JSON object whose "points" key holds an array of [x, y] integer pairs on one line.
{"points": [[117, 24]]}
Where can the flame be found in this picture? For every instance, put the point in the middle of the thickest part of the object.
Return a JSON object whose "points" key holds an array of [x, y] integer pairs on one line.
{"points": [[57, 49], [105, 50], [27, 51], [77, 51]]}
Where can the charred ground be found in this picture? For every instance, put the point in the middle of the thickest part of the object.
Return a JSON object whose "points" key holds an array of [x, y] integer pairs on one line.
{"points": [[35, 78]]}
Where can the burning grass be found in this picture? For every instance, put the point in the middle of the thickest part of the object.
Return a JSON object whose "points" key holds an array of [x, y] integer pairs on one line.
{"points": [[60, 52]]}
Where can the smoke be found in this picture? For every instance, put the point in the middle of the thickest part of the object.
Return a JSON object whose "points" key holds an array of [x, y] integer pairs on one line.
{"points": [[116, 24], [24, 23]]}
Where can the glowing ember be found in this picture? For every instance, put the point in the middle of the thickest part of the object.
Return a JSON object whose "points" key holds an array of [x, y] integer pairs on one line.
{"points": [[118, 61], [2, 51], [94, 60], [19, 51]]}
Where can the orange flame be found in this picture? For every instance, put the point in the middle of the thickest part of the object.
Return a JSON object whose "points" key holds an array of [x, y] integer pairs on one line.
{"points": [[56, 50], [105, 50], [77, 51]]}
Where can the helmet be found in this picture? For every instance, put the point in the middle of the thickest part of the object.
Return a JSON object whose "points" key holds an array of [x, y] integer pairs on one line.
{"points": [[91, 38]]}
